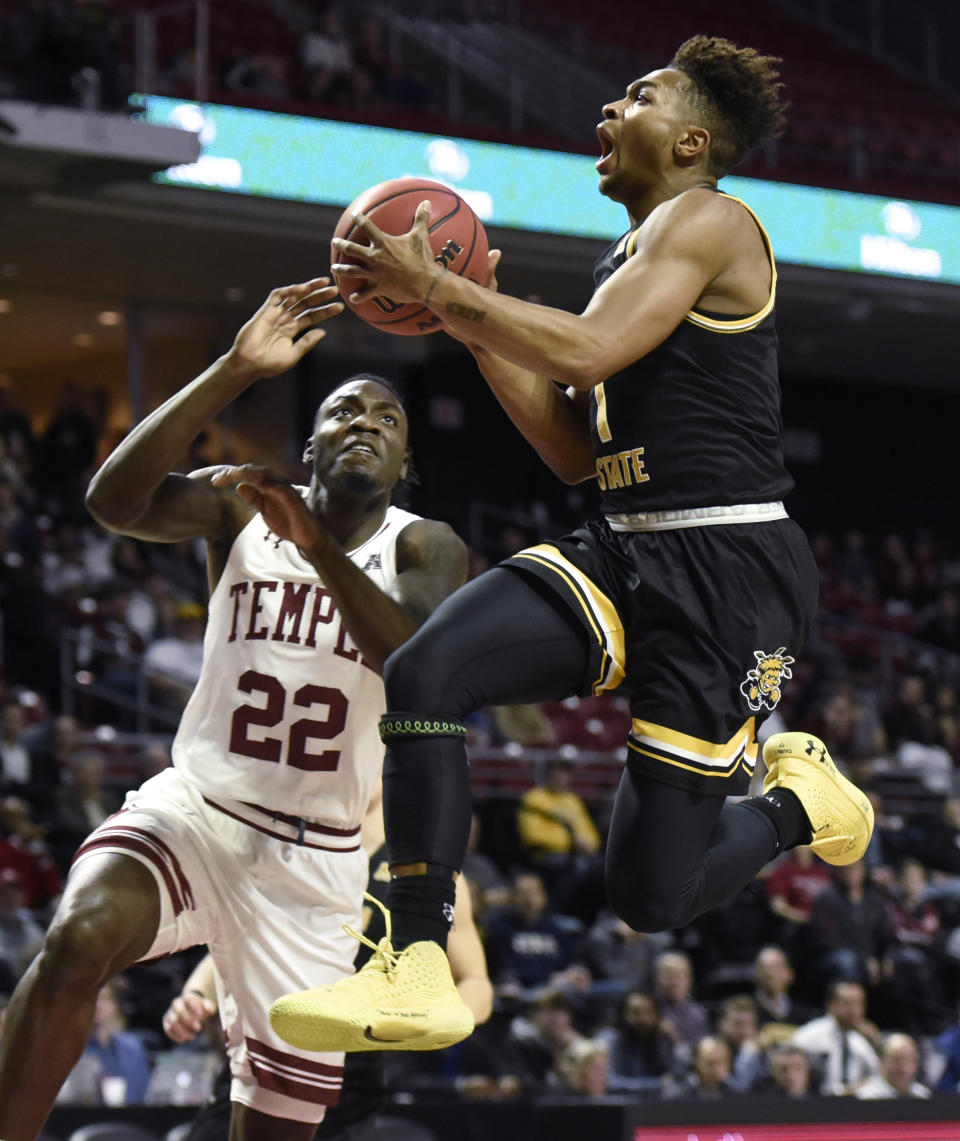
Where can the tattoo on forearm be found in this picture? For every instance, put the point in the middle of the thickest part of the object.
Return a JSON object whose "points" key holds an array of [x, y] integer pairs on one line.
{"points": [[466, 312], [417, 244], [433, 286]]}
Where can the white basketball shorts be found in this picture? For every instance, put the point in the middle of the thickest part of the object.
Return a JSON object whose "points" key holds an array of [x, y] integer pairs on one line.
{"points": [[270, 900]]}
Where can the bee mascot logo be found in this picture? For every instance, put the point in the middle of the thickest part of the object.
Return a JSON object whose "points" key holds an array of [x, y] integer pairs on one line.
{"points": [[762, 686]]}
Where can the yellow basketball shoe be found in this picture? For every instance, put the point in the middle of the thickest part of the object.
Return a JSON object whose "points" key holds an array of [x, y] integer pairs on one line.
{"points": [[840, 816], [398, 1000]]}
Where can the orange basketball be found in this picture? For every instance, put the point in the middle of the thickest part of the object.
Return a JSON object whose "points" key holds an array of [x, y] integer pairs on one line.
{"points": [[457, 239]]}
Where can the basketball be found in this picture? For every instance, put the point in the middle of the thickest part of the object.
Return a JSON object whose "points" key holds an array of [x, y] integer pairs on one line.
{"points": [[457, 239]]}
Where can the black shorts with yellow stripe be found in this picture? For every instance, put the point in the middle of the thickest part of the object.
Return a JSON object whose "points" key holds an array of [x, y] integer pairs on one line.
{"points": [[701, 625]]}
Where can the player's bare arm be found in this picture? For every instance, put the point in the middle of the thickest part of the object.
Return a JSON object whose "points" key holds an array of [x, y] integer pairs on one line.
{"points": [[431, 563], [553, 421], [184, 1017], [686, 246], [135, 492], [468, 961]]}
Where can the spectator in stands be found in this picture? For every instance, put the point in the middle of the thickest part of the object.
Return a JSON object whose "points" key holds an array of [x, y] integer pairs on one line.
{"points": [[524, 724], [774, 977], [22, 847], [709, 1080], [728, 940], [947, 1049], [489, 885], [16, 432], [850, 726], [673, 988], [841, 1041], [894, 570], [940, 624], [172, 664], [77, 563], [788, 1070], [935, 841], [120, 1054], [899, 1070], [81, 804], [583, 1067], [852, 564], [738, 1025], [20, 934], [529, 948], [621, 957], [641, 1046], [539, 1036], [327, 59], [370, 54], [557, 831], [849, 928], [65, 454], [795, 881], [911, 716], [181, 568], [84, 1084], [913, 956], [947, 710], [18, 530], [154, 758], [16, 766], [50, 753], [259, 73]]}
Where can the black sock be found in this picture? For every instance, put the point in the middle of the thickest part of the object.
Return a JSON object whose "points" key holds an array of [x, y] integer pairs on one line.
{"points": [[421, 907], [783, 809]]}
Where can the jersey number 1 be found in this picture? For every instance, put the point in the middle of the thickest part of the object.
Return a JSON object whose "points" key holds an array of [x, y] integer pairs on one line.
{"points": [[302, 731]]}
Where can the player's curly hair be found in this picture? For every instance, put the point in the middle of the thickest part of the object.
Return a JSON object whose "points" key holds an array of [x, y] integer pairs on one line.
{"points": [[738, 92]]}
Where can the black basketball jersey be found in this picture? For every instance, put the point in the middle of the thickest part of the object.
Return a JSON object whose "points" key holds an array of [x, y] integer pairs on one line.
{"points": [[696, 422]]}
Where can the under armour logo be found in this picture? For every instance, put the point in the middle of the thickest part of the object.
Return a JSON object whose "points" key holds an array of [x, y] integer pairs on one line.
{"points": [[276, 541], [373, 563], [448, 912], [815, 747]]}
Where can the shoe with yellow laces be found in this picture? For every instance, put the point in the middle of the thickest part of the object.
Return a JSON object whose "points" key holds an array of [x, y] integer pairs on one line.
{"points": [[398, 1000], [840, 815]]}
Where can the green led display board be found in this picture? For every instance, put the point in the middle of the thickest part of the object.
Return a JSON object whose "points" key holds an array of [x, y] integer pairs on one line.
{"points": [[325, 161]]}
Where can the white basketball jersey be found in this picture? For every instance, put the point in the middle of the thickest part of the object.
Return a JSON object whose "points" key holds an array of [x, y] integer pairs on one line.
{"points": [[285, 714]]}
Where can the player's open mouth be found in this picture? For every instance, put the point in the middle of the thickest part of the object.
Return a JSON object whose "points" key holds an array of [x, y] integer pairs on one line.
{"points": [[361, 447], [607, 157]]}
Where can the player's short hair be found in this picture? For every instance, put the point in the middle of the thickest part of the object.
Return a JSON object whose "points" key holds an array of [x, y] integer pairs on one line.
{"points": [[738, 93]]}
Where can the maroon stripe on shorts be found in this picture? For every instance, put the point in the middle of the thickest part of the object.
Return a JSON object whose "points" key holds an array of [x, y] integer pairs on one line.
{"points": [[311, 1082], [116, 839], [296, 1061]]}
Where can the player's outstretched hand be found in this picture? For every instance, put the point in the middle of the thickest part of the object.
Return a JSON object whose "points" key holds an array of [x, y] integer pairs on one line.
{"points": [[286, 327], [401, 266], [280, 504], [184, 1017]]}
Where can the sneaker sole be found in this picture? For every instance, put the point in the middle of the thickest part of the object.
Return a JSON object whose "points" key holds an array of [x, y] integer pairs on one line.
{"points": [[336, 1031]]}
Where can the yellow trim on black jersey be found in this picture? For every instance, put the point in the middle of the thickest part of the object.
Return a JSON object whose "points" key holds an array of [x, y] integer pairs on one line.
{"points": [[628, 243], [600, 612], [628, 247], [603, 424], [694, 754], [741, 324]]}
